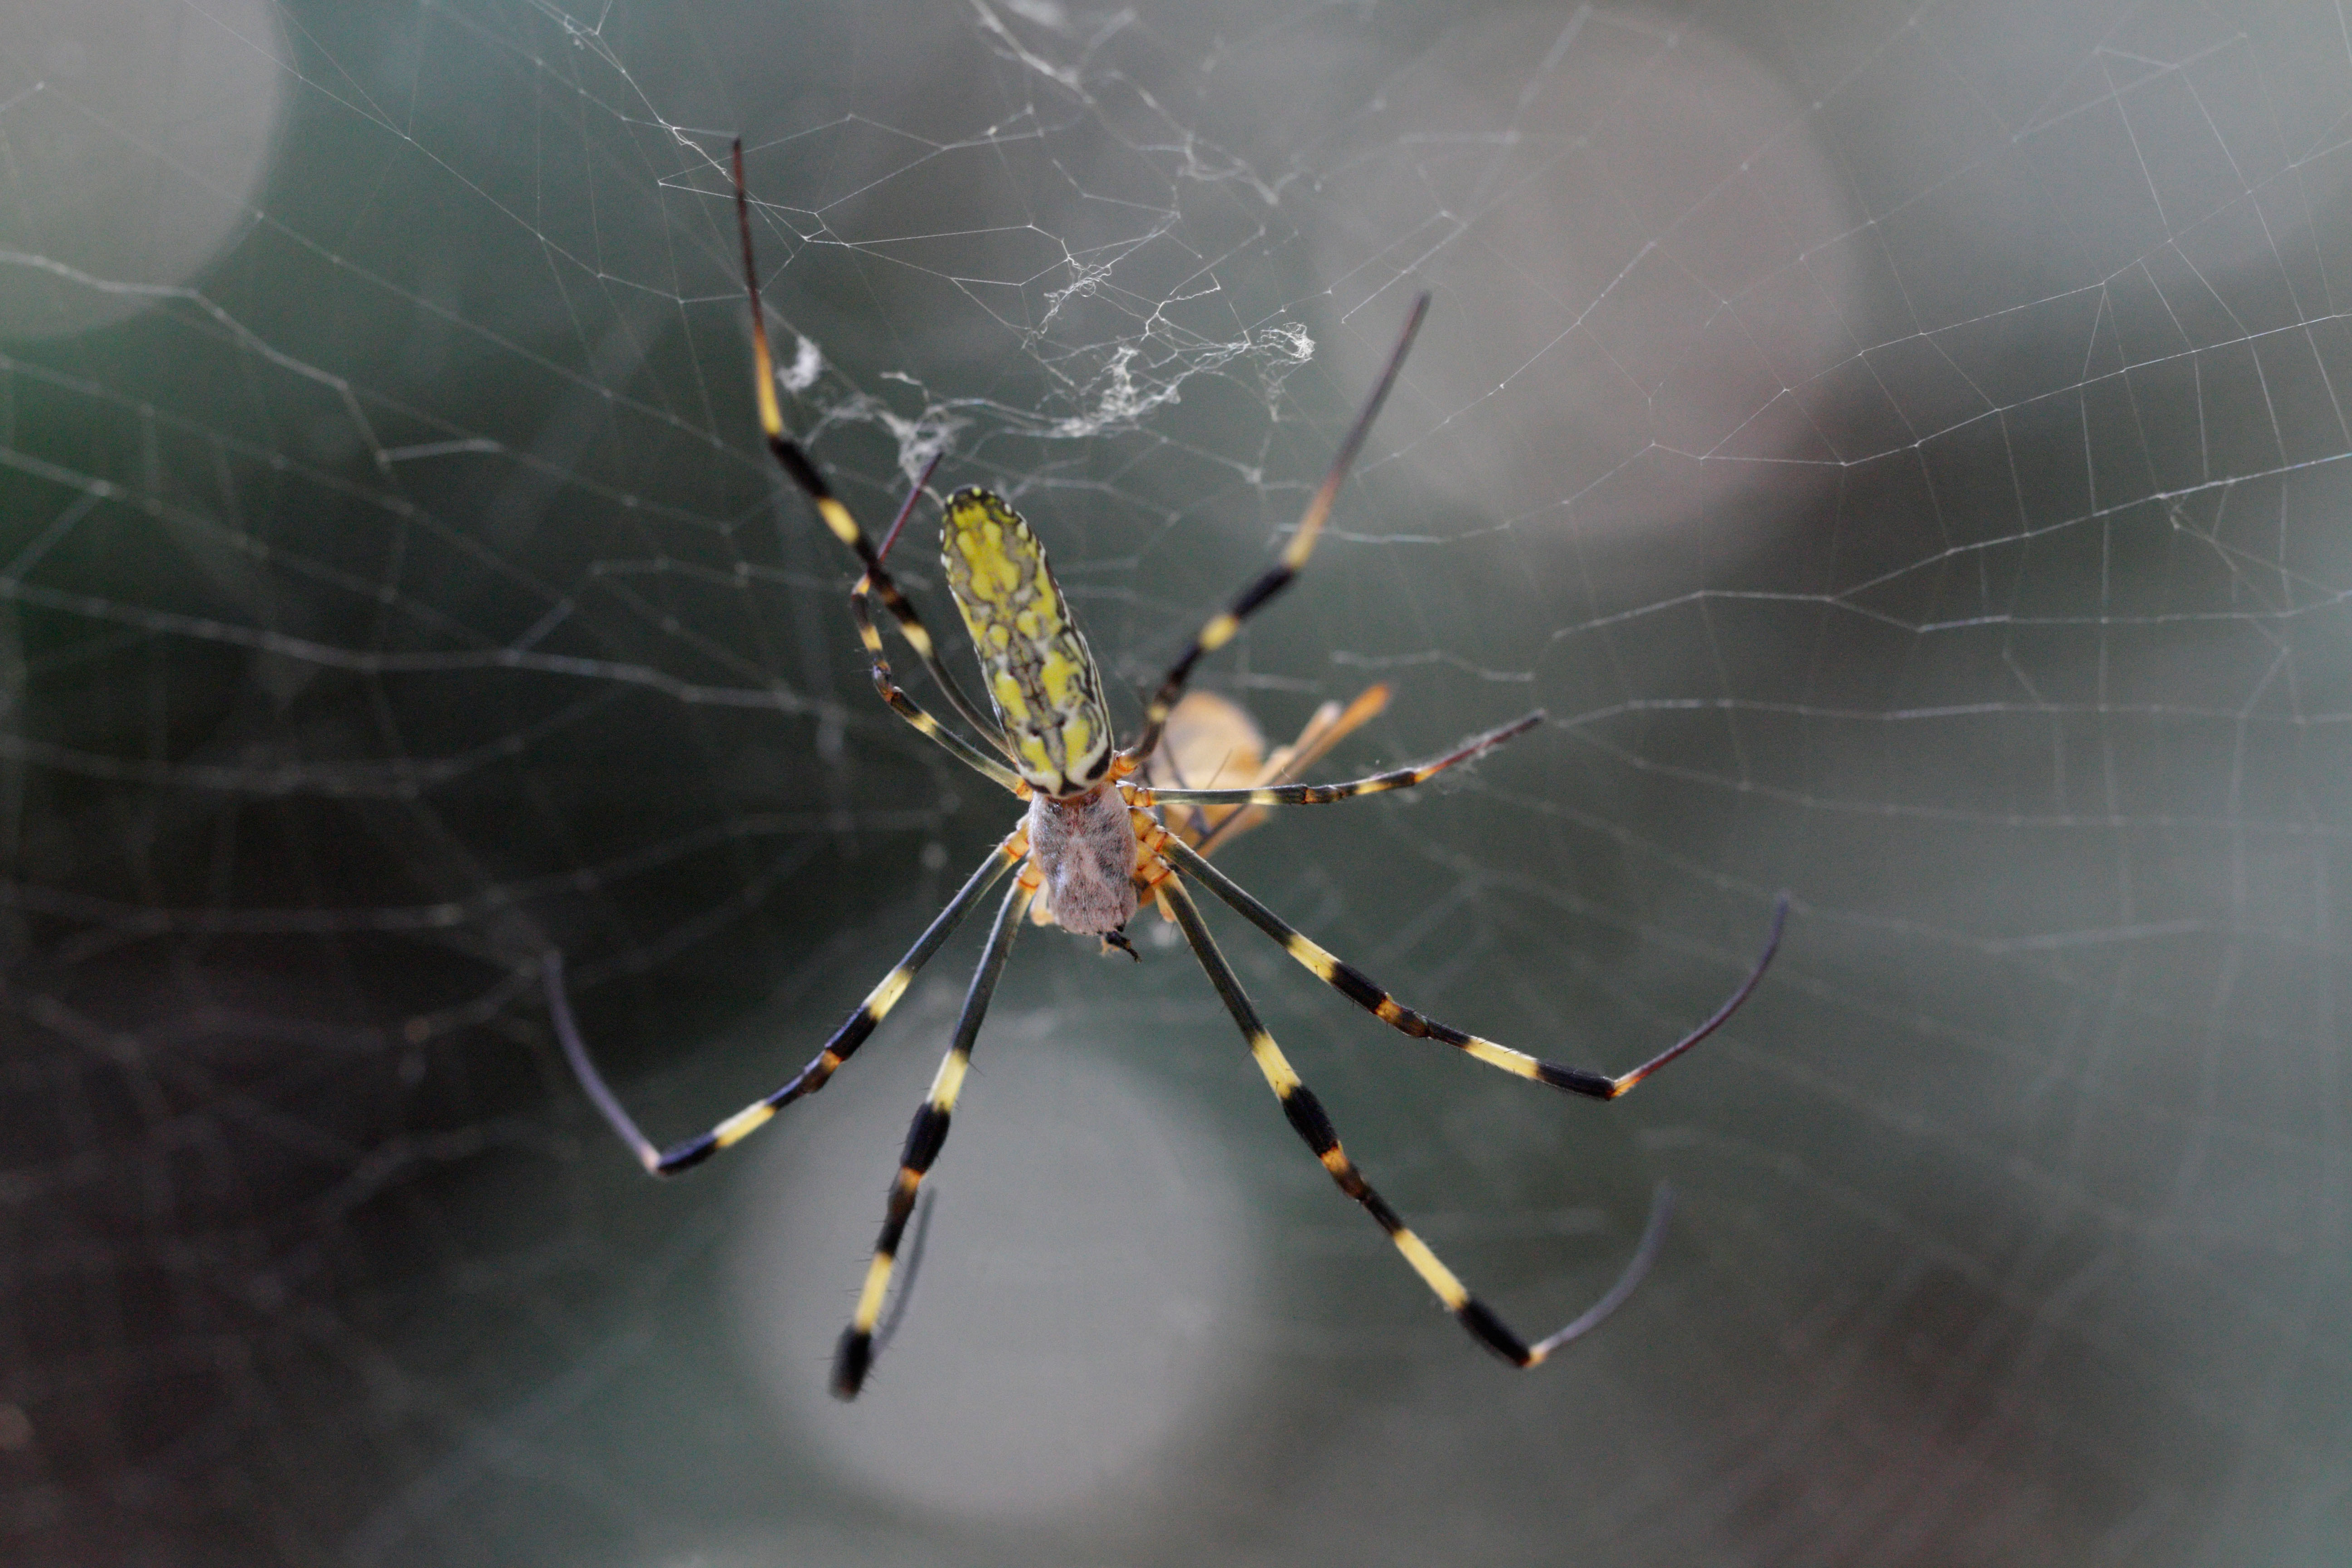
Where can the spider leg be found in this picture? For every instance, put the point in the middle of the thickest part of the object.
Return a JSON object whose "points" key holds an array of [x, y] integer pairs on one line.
{"points": [[1314, 1127], [843, 1044], [1323, 795], [877, 580], [887, 1330], [1221, 626], [862, 612], [1366, 992], [855, 1357]]}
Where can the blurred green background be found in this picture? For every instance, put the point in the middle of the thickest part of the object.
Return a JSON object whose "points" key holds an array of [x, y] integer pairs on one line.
{"points": [[1903, 448]]}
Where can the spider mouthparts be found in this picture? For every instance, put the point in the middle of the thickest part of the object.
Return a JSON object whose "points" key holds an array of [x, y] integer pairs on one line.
{"points": [[1118, 939]]}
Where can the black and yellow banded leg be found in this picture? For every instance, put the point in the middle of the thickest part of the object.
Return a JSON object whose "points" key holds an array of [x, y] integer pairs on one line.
{"points": [[877, 580], [1366, 992], [810, 1079], [1314, 1127], [885, 683], [1276, 577], [1324, 794], [907, 708], [855, 1357]]}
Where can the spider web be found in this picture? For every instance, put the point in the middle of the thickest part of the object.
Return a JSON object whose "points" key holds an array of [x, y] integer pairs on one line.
{"points": [[1902, 447]]}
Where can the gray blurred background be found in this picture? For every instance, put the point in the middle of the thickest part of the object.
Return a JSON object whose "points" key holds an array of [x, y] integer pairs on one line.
{"points": [[1904, 447]]}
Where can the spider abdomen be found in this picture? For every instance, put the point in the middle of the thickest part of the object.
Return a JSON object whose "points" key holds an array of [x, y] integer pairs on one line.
{"points": [[1084, 849], [1040, 675]]}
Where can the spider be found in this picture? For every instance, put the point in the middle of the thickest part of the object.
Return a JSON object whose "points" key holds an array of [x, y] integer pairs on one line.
{"points": [[1095, 844]]}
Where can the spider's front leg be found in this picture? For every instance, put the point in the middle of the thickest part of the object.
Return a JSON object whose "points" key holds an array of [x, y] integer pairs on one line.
{"points": [[839, 1048], [1366, 992], [854, 1358], [1313, 1124]]}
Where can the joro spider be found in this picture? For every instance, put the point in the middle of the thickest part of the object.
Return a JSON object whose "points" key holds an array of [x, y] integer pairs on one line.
{"points": [[1093, 847]]}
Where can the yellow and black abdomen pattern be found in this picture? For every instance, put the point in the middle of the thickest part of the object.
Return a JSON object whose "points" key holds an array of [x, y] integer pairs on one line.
{"points": [[1040, 674]]}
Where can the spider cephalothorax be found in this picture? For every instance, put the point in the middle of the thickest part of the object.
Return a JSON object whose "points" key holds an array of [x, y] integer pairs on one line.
{"points": [[1093, 844], [1083, 849]]}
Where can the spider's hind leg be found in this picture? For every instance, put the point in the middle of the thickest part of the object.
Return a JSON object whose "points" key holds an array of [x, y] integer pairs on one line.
{"points": [[877, 580], [1221, 626]]}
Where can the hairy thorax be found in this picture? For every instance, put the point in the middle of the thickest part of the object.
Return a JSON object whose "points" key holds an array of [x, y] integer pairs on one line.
{"points": [[1084, 849]]}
